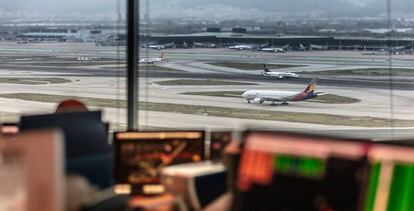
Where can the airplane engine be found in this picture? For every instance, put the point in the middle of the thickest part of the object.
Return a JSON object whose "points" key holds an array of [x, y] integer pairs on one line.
{"points": [[258, 100]]}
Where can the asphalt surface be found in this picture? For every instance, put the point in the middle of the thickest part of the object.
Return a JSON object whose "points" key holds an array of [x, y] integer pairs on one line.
{"points": [[304, 79]]}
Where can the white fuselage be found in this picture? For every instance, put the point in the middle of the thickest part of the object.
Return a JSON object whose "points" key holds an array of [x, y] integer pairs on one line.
{"points": [[156, 47], [241, 47], [281, 74], [265, 95], [150, 60], [276, 50]]}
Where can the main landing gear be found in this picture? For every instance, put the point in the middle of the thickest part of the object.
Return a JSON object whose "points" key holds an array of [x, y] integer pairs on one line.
{"points": [[285, 103]]}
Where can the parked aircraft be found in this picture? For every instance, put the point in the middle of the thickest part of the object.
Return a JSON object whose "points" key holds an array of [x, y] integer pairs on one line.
{"points": [[163, 46], [241, 47], [276, 50], [317, 47], [302, 48], [204, 45], [260, 96]]}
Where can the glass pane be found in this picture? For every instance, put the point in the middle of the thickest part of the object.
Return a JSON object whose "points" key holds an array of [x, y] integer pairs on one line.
{"points": [[54, 50], [226, 64]]}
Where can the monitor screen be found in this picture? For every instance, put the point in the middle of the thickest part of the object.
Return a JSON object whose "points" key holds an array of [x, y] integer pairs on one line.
{"points": [[140, 156], [390, 179], [295, 172], [218, 142], [286, 171]]}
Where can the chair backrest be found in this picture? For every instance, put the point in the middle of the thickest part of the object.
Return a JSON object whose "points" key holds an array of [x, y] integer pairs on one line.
{"points": [[86, 143]]}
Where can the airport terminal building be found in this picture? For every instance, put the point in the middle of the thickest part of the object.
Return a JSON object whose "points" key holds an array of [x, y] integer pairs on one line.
{"points": [[229, 38]]}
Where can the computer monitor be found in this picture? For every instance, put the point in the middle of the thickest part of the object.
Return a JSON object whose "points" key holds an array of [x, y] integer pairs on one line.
{"points": [[87, 150], [390, 181], [283, 171], [140, 157], [288, 171], [218, 142]]}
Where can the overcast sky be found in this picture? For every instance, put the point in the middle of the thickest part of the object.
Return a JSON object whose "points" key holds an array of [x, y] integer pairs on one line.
{"points": [[190, 8], [81, 6], [89, 5]]}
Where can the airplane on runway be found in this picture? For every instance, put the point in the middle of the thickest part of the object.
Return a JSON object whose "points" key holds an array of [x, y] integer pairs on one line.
{"points": [[279, 75], [260, 96], [275, 50], [151, 60]]}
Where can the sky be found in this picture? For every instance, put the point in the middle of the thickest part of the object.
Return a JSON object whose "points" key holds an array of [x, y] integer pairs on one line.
{"points": [[220, 9], [89, 5]]}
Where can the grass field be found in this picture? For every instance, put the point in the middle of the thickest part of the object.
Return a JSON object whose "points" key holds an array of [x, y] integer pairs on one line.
{"points": [[365, 72], [34, 81], [255, 114], [190, 82], [251, 66], [327, 98]]}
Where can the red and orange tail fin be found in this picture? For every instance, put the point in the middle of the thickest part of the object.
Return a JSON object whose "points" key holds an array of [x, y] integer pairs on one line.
{"points": [[312, 85]]}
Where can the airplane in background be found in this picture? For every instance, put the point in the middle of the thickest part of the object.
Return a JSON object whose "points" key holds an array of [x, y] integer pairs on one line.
{"points": [[204, 45], [279, 75], [396, 50], [151, 60], [241, 47], [275, 50], [260, 96], [302, 48], [160, 47], [317, 47]]}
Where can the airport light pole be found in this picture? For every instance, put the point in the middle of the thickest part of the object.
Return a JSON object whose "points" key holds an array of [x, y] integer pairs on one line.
{"points": [[132, 63]]}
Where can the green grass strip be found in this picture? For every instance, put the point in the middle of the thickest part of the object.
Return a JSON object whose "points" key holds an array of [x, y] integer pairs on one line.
{"points": [[34, 81]]}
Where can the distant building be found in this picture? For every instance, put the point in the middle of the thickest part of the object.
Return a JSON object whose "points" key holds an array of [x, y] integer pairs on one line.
{"points": [[239, 30], [213, 29]]}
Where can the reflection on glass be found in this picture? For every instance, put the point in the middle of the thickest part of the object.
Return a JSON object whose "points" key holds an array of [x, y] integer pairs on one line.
{"points": [[54, 50], [214, 51]]}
